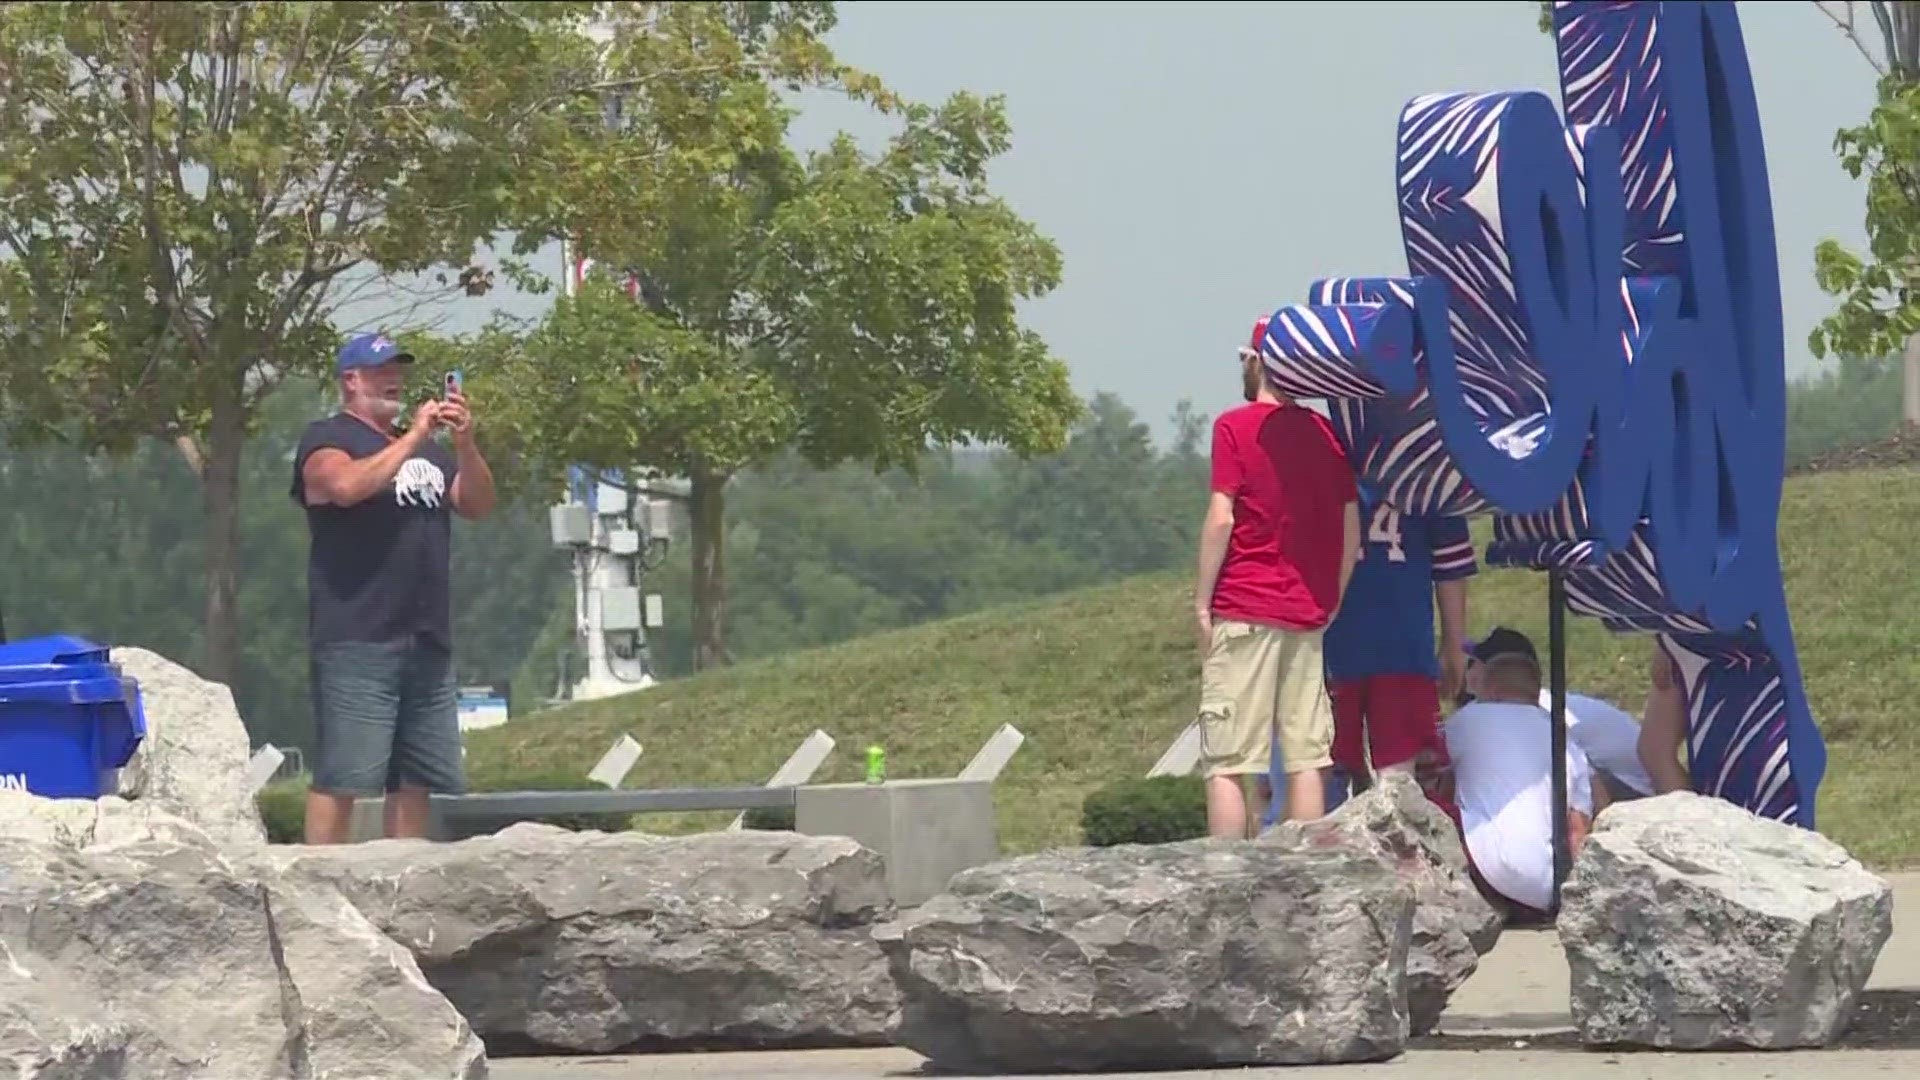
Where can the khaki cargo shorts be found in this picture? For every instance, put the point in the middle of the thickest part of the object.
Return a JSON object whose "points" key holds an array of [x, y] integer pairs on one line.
{"points": [[1258, 681]]}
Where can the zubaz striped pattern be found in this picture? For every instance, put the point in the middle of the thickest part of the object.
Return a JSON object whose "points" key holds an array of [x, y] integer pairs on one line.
{"points": [[1316, 352], [1395, 440], [1737, 735], [1451, 561], [1614, 70], [1610, 74]]}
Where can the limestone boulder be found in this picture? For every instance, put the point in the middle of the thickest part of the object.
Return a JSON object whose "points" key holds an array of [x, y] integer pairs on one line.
{"points": [[1453, 925], [88, 823], [1690, 923], [193, 761], [1189, 955], [594, 942], [153, 959]]}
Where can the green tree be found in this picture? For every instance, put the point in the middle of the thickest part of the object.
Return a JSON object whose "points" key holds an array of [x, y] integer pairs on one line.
{"points": [[1846, 406], [1879, 313], [191, 192], [1101, 497], [853, 307]]}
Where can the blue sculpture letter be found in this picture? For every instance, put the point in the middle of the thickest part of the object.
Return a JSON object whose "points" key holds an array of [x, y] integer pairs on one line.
{"points": [[1594, 355]]}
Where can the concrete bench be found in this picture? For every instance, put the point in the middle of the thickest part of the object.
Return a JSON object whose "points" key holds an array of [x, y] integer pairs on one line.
{"points": [[927, 830]]}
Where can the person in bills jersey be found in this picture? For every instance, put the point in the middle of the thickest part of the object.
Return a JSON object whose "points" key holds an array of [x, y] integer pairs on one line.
{"points": [[1386, 675]]}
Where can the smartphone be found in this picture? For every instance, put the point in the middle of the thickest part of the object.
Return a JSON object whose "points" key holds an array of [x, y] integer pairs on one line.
{"points": [[452, 384]]}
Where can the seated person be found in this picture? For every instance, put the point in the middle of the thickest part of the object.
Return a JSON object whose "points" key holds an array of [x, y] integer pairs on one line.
{"points": [[1501, 746], [1610, 737]]}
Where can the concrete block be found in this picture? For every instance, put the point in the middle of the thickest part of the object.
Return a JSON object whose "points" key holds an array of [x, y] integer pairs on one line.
{"points": [[927, 830]]}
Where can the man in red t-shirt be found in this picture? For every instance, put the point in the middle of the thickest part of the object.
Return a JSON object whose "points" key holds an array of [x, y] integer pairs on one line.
{"points": [[1281, 536]]}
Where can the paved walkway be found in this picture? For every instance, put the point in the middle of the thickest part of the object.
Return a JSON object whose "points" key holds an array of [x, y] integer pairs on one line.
{"points": [[1510, 1015]]}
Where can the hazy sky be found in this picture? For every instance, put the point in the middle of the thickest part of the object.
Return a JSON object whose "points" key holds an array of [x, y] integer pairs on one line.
{"points": [[1200, 165]]}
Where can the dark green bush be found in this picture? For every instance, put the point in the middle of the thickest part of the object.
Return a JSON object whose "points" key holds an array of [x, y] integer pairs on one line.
{"points": [[1155, 810], [770, 819], [283, 809]]}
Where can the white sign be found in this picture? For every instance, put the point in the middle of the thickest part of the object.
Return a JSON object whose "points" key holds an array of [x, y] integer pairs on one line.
{"points": [[1181, 756], [266, 761], [994, 755], [616, 763], [481, 709], [799, 768]]}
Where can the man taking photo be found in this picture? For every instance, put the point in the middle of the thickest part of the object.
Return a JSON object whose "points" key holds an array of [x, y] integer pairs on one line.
{"points": [[380, 632], [1278, 543]]}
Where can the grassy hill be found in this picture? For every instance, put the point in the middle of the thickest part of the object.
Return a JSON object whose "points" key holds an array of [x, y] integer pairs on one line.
{"points": [[1101, 680]]}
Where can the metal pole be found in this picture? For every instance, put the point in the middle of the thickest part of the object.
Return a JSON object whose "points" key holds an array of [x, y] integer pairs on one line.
{"points": [[1557, 675]]}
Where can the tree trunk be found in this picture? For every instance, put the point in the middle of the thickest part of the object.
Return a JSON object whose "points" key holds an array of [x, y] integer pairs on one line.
{"points": [[708, 511], [1910, 386], [220, 489]]}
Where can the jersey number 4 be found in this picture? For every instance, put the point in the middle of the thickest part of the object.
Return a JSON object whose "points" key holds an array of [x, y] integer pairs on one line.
{"points": [[1384, 528]]}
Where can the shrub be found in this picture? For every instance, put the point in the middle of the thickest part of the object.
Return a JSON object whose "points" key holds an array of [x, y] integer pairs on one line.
{"points": [[770, 819], [283, 809], [1151, 810]]}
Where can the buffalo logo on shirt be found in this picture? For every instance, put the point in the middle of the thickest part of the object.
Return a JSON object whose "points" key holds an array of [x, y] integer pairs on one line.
{"points": [[420, 483]]}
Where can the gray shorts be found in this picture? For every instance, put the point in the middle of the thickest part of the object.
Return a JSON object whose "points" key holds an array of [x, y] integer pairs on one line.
{"points": [[386, 716]]}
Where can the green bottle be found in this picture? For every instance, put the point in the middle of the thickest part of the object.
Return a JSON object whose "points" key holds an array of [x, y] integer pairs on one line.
{"points": [[876, 765]]}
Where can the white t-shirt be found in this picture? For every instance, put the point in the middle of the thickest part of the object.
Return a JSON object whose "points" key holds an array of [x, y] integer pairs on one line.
{"points": [[1504, 785], [1608, 736]]}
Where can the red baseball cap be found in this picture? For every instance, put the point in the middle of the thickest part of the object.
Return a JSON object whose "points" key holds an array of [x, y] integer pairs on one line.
{"points": [[1259, 332]]}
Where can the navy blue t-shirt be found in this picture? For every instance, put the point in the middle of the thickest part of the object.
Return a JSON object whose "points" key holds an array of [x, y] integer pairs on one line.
{"points": [[378, 571], [1385, 625]]}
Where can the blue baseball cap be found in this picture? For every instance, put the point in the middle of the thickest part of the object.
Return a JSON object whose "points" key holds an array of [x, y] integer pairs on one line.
{"points": [[370, 350]]}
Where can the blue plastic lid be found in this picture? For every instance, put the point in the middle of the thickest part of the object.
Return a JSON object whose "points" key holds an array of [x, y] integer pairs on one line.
{"points": [[117, 741], [63, 649], [68, 692], [39, 673]]}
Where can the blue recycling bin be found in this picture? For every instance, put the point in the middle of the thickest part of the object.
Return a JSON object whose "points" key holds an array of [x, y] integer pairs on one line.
{"points": [[68, 718]]}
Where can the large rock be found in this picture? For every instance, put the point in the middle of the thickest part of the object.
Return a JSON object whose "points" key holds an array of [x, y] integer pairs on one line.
{"points": [[193, 762], [1453, 925], [150, 959], [595, 942], [1187, 955], [83, 823], [1690, 923]]}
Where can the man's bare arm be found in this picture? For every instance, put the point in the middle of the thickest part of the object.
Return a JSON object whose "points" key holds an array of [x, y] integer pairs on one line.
{"points": [[1349, 547], [333, 478], [1451, 598], [1578, 826], [1663, 729], [473, 493], [1215, 528]]}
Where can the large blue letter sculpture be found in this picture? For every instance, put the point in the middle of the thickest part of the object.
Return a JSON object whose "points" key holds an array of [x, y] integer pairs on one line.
{"points": [[1589, 346]]}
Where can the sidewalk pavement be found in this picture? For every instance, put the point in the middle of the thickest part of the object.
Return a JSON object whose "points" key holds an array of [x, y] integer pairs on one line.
{"points": [[1510, 1015]]}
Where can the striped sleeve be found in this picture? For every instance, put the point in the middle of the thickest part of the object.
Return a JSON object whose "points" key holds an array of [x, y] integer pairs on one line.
{"points": [[1452, 549]]}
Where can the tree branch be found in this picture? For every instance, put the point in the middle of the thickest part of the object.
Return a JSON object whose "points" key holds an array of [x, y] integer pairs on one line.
{"points": [[159, 245], [1845, 26]]}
